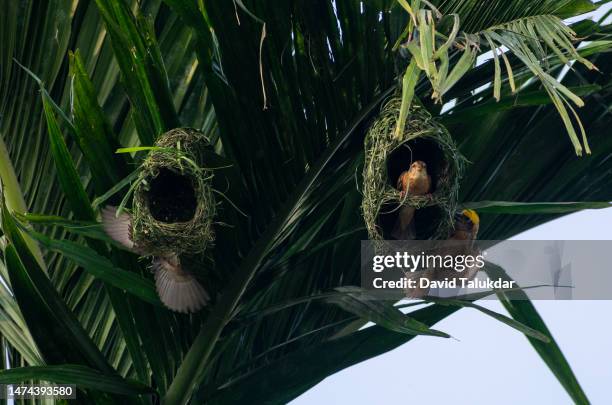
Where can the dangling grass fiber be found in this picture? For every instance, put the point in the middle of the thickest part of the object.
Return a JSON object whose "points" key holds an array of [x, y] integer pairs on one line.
{"points": [[174, 177], [387, 155]]}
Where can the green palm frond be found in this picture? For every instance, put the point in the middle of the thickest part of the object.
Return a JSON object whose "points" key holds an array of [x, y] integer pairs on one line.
{"points": [[532, 39], [117, 74], [477, 15]]}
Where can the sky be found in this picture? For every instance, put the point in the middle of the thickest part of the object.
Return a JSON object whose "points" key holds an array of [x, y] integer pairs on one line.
{"points": [[489, 362]]}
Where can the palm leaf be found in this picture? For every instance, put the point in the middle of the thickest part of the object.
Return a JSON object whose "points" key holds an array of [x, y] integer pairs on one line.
{"points": [[521, 309], [529, 37], [325, 67]]}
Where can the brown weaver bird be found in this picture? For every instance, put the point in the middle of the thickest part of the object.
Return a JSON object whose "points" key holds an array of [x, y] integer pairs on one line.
{"points": [[177, 288], [466, 226], [414, 181]]}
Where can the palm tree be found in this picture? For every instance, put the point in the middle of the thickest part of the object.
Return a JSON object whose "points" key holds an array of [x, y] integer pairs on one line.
{"points": [[286, 92]]}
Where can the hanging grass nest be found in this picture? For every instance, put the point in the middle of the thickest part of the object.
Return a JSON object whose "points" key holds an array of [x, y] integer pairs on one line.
{"points": [[174, 206], [387, 156]]}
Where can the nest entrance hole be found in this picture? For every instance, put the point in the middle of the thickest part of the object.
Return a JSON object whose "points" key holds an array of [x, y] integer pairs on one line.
{"points": [[171, 197], [426, 221], [410, 151]]}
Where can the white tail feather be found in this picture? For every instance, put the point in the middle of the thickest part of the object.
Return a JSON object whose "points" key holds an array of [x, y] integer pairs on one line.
{"points": [[119, 227], [177, 289]]}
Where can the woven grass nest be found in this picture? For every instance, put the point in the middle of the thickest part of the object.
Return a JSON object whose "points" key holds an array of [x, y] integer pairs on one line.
{"points": [[387, 156], [174, 206]]}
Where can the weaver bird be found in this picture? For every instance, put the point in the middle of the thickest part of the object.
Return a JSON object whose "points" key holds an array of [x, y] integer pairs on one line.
{"points": [[464, 233], [467, 223], [414, 181], [177, 288]]}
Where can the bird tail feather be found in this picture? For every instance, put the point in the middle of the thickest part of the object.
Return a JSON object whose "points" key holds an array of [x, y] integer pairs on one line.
{"points": [[404, 228], [177, 289]]}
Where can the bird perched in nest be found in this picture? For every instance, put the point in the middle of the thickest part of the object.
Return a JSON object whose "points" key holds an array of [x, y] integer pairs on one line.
{"points": [[465, 232], [414, 181], [177, 288]]}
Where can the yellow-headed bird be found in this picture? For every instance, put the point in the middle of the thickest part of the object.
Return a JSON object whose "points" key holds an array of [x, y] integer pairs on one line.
{"points": [[467, 223]]}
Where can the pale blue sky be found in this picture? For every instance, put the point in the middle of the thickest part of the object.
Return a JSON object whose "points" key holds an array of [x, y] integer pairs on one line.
{"points": [[490, 363]]}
